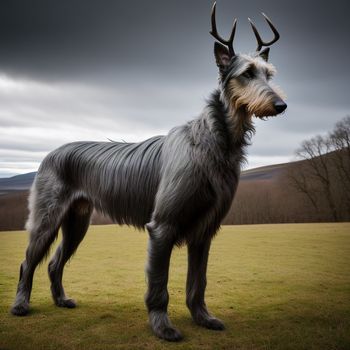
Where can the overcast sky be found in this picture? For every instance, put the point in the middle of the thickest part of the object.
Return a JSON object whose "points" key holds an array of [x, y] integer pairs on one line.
{"points": [[127, 70]]}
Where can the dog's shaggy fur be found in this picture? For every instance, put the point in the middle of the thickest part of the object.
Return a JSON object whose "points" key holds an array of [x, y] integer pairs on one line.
{"points": [[179, 186]]}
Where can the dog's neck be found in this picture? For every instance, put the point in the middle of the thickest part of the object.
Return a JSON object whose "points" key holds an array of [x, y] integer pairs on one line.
{"points": [[232, 127]]}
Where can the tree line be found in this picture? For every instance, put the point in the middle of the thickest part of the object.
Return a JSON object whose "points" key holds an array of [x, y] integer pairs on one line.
{"points": [[316, 188], [324, 175]]}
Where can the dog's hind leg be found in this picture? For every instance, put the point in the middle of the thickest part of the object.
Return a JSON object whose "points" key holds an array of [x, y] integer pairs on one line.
{"points": [[159, 251], [196, 284], [74, 227], [46, 211]]}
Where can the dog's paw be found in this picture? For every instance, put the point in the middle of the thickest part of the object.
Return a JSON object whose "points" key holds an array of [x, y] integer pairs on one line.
{"points": [[21, 309], [68, 303], [169, 334], [214, 323], [209, 322]]}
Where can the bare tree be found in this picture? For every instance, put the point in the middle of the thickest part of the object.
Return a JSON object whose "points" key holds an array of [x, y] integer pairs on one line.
{"points": [[339, 140], [324, 174], [313, 151], [297, 178]]}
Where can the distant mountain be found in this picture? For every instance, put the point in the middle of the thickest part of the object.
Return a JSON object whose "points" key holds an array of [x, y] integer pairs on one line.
{"points": [[17, 183]]}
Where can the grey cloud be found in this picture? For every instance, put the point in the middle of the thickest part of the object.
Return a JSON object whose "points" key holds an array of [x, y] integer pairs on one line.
{"points": [[130, 69]]}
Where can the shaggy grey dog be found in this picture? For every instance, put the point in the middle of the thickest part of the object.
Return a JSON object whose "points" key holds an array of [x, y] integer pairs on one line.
{"points": [[178, 186]]}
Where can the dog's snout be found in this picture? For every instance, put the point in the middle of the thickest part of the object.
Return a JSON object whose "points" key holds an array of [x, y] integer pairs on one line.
{"points": [[280, 106]]}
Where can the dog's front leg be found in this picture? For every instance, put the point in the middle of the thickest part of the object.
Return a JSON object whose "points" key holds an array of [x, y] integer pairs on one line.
{"points": [[196, 284], [160, 245]]}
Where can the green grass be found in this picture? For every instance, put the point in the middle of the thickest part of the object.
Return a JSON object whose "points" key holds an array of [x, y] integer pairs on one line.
{"points": [[274, 286]]}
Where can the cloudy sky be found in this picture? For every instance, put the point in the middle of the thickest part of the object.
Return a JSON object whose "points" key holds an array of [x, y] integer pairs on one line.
{"points": [[126, 70]]}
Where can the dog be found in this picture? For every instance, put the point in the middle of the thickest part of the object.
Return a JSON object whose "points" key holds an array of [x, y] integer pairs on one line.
{"points": [[178, 186]]}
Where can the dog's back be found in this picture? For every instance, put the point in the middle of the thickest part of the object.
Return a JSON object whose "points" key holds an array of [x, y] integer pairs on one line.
{"points": [[119, 179]]}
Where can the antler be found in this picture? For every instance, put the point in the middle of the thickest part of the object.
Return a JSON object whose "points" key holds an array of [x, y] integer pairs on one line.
{"points": [[214, 32], [258, 37]]}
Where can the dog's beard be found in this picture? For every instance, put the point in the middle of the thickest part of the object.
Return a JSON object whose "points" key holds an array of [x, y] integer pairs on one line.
{"points": [[256, 99]]}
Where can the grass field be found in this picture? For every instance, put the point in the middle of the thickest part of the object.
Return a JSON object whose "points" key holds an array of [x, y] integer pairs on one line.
{"points": [[274, 286]]}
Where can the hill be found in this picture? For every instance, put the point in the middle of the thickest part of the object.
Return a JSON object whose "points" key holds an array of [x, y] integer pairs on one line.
{"points": [[270, 172], [14, 193], [264, 195], [16, 183]]}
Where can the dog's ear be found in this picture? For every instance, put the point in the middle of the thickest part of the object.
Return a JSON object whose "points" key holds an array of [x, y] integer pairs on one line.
{"points": [[264, 54], [222, 56]]}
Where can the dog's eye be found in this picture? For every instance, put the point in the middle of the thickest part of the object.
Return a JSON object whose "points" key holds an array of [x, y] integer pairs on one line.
{"points": [[249, 74]]}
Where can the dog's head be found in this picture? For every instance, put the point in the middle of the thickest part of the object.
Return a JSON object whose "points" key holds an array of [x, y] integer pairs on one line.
{"points": [[246, 79]]}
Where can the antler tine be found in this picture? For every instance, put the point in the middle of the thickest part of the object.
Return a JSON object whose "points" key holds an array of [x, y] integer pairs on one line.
{"points": [[215, 34], [261, 43]]}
